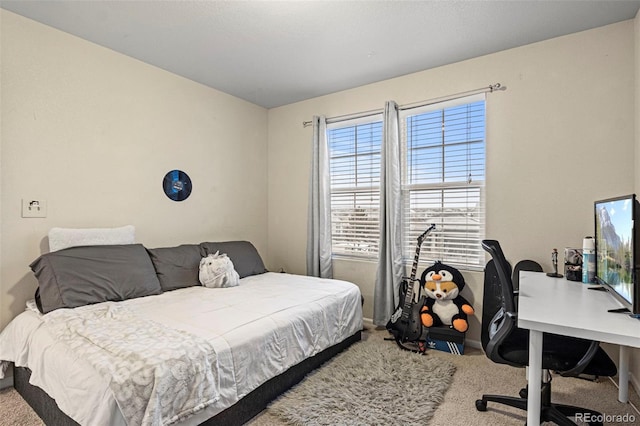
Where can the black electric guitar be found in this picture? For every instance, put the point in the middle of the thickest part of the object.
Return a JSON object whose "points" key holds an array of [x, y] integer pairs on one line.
{"points": [[405, 324]]}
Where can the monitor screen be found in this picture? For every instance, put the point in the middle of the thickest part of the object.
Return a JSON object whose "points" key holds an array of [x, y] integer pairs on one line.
{"points": [[615, 248]]}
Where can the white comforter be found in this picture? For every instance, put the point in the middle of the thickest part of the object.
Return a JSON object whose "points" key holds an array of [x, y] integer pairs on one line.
{"points": [[158, 375], [259, 329]]}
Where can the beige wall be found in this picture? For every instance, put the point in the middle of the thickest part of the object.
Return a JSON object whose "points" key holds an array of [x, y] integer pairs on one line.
{"points": [[93, 132], [568, 108]]}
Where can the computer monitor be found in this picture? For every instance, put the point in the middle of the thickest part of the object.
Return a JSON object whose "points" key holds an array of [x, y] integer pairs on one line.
{"points": [[617, 254]]}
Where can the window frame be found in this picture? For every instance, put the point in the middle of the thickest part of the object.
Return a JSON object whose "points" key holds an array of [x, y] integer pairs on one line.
{"points": [[434, 247], [373, 233]]}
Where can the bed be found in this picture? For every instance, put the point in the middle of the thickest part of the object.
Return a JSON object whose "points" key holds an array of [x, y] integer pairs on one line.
{"points": [[173, 353]]}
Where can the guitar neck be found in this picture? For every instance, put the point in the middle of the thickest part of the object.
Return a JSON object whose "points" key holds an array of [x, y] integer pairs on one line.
{"points": [[416, 258], [408, 300], [414, 268]]}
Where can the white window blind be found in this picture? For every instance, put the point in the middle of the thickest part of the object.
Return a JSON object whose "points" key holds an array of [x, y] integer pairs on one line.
{"points": [[354, 163], [443, 181]]}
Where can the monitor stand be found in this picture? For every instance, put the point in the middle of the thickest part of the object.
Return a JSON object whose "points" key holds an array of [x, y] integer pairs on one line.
{"points": [[619, 311]]}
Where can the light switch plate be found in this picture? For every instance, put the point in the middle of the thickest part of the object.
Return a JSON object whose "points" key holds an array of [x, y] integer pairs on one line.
{"points": [[32, 207]]}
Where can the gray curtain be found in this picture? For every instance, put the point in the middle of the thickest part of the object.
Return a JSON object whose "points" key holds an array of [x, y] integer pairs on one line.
{"points": [[319, 262], [390, 265]]}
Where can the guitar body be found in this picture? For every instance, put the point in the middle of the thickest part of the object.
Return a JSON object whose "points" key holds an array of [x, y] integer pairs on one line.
{"points": [[406, 328]]}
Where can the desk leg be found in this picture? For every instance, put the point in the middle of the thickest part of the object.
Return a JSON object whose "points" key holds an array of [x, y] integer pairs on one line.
{"points": [[535, 377], [623, 375]]}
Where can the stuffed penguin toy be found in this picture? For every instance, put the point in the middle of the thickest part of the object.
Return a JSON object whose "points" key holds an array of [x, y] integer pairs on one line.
{"points": [[444, 305]]}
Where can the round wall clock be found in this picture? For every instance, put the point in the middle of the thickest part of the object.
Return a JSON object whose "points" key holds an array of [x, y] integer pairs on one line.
{"points": [[177, 185]]}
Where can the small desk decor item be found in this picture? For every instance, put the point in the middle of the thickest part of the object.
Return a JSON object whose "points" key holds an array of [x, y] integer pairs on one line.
{"points": [[588, 260], [554, 260], [573, 263], [177, 185]]}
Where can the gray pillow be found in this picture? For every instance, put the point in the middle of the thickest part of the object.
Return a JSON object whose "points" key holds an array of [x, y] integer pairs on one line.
{"points": [[245, 257], [79, 276], [177, 267]]}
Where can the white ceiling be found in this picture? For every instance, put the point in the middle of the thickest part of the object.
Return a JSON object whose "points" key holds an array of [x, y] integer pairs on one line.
{"points": [[274, 53]]}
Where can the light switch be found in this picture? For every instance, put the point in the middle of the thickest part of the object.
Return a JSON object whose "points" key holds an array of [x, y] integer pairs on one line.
{"points": [[34, 207]]}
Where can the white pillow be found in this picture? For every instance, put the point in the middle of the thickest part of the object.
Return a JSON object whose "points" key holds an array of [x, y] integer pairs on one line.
{"points": [[61, 238]]}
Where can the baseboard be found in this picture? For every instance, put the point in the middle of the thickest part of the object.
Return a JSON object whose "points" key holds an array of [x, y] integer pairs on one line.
{"points": [[635, 384], [473, 343]]}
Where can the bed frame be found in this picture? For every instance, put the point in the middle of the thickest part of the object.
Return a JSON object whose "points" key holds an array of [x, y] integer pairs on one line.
{"points": [[238, 414]]}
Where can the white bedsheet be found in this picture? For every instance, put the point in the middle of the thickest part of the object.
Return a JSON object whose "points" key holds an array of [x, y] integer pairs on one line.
{"points": [[259, 329]]}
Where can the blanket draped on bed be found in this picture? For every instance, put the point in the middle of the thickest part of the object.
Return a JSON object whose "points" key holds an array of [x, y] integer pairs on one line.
{"points": [[158, 375]]}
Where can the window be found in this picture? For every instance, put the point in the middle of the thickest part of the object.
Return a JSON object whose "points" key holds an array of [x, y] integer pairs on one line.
{"points": [[354, 164], [443, 181]]}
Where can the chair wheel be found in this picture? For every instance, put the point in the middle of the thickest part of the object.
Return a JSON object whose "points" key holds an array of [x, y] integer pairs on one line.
{"points": [[523, 393], [481, 405]]}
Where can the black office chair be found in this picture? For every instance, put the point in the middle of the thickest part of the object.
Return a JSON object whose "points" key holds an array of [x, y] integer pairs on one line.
{"points": [[505, 343]]}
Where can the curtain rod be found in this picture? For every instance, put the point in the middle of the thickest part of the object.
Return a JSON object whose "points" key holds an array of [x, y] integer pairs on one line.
{"points": [[489, 89]]}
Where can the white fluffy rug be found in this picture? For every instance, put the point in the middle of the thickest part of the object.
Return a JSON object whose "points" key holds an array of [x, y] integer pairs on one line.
{"points": [[371, 383]]}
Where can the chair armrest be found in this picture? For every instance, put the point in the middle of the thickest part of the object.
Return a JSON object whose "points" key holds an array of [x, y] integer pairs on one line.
{"points": [[502, 324], [584, 361]]}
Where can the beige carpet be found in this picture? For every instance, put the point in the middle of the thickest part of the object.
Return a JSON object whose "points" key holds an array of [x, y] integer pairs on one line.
{"points": [[14, 411], [475, 375]]}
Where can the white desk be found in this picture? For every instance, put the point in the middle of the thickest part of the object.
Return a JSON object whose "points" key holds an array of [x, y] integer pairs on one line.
{"points": [[555, 305]]}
